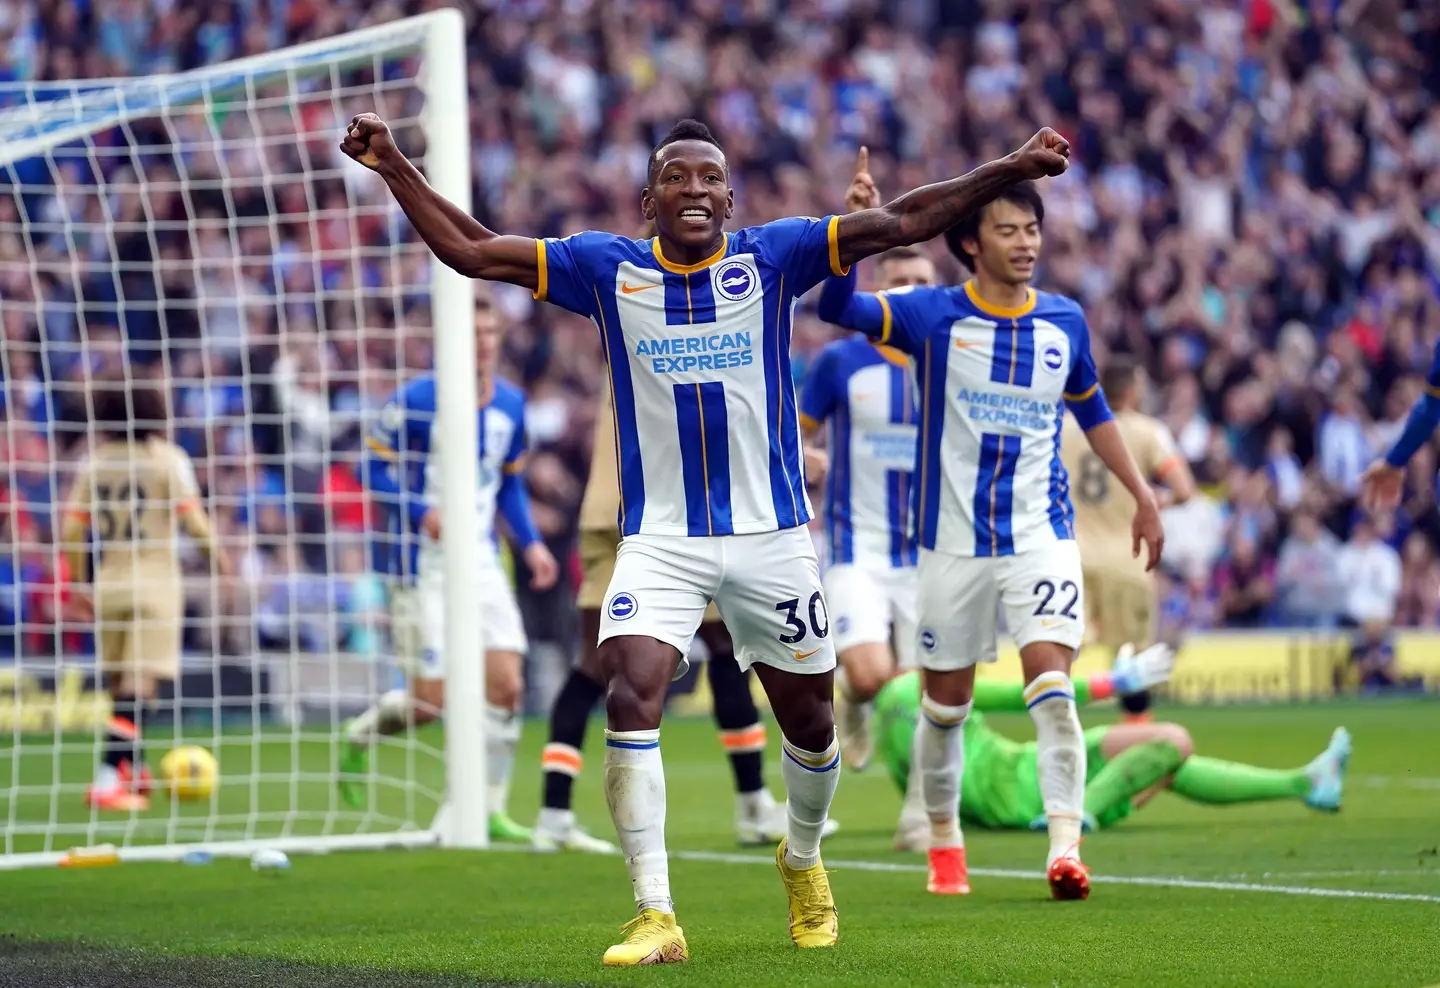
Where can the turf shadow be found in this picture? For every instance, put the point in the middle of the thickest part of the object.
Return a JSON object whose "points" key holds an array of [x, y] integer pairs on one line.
{"points": [[50, 964]]}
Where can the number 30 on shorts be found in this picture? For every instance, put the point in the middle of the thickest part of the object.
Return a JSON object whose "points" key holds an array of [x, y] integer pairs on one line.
{"points": [[818, 614], [1046, 591]]}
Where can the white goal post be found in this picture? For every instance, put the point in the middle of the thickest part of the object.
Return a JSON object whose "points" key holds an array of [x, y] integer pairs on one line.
{"points": [[202, 231]]}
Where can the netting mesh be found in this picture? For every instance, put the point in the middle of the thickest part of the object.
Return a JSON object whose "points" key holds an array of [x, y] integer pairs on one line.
{"points": [[204, 233]]}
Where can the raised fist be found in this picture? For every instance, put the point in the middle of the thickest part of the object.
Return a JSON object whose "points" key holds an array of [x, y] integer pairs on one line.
{"points": [[368, 140], [1045, 154]]}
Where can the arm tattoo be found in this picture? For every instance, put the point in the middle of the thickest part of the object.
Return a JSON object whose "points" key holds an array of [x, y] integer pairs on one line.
{"points": [[922, 214]]}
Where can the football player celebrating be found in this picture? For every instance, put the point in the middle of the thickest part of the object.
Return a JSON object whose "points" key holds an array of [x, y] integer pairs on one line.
{"points": [[997, 363], [696, 327]]}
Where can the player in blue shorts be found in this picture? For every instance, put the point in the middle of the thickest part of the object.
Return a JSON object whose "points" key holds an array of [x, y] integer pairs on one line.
{"points": [[997, 364], [1384, 482], [695, 325]]}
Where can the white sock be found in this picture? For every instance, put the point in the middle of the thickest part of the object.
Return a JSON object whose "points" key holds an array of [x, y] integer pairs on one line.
{"points": [[387, 715], [502, 732], [810, 781], [1060, 758], [940, 758], [842, 683], [635, 790], [107, 777], [912, 811], [752, 804], [556, 823]]}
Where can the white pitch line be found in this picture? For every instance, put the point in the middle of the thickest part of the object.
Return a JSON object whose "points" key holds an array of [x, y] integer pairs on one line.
{"points": [[1350, 873], [1399, 781], [1154, 882]]}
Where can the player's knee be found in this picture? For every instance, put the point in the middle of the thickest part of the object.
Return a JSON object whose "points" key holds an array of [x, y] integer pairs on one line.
{"points": [[428, 699], [807, 719], [637, 681], [952, 689], [1038, 658], [630, 706], [504, 680], [866, 670]]}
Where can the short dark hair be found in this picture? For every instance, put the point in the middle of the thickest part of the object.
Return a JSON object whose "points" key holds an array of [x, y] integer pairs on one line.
{"points": [[1119, 374], [129, 407], [688, 129], [1025, 195]]}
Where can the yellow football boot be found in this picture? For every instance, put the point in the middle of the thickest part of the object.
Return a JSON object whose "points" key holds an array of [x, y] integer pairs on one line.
{"points": [[813, 919], [650, 938]]}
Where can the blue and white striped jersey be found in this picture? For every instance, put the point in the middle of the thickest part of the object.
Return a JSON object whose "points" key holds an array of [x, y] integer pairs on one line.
{"points": [[994, 385], [866, 394], [403, 469], [707, 433]]}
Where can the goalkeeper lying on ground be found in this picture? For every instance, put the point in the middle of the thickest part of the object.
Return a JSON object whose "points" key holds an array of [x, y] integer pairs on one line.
{"points": [[1126, 764]]}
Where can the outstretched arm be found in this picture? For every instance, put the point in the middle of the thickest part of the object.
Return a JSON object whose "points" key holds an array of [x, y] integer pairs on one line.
{"points": [[930, 210], [1424, 417], [1384, 482], [842, 305], [458, 239]]}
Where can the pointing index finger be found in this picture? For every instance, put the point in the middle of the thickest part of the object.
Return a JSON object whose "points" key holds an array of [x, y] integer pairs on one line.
{"points": [[862, 163]]}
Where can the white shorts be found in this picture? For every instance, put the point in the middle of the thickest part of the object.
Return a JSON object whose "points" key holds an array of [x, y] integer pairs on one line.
{"points": [[1042, 592], [417, 617], [766, 586], [867, 603]]}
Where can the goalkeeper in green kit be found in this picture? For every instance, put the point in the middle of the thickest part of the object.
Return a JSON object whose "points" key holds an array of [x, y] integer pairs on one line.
{"points": [[1126, 763]]}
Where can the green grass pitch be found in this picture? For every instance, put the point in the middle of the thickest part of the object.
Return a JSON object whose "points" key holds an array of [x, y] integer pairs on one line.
{"points": [[1266, 895]]}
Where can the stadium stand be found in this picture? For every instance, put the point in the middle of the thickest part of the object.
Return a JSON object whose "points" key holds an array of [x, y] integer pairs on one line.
{"points": [[1253, 210]]}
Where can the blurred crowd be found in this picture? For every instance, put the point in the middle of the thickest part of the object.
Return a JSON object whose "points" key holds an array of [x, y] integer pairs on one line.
{"points": [[1253, 209]]}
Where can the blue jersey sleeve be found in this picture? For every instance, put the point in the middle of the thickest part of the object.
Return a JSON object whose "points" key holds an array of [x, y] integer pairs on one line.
{"points": [[568, 270], [842, 305], [907, 315], [519, 444], [805, 249], [1424, 418], [821, 390], [400, 433], [513, 503], [512, 500], [1082, 388]]}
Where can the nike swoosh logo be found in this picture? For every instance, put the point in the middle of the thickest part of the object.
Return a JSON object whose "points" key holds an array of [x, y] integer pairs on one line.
{"points": [[965, 344], [628, 289], [799, 656]]}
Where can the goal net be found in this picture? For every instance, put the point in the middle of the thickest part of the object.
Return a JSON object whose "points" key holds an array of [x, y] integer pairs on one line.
{"points": [[203, 232]]}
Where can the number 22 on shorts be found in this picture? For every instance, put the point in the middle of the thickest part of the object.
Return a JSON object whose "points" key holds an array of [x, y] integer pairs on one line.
{"points": [[819, 624], [1047, 591]]}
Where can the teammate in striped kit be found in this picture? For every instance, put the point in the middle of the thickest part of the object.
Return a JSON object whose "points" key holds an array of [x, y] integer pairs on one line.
{"points": [[1384, 481], [696, 330], [865, 394], [402, 468], [997, 363]]}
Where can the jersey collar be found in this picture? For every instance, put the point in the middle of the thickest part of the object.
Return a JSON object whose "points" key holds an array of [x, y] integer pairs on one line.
{"points": [[998, 312], [485, 395], [674, 268]]}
